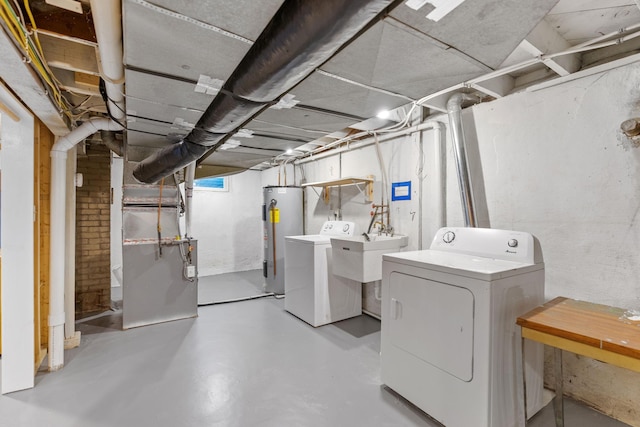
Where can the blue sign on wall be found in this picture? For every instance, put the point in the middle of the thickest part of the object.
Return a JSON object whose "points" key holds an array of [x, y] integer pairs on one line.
{"points": [[401, 190]]}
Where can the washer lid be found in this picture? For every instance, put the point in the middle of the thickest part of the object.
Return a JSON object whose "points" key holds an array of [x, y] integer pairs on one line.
{"points": [[312, 239], [472, 266]]}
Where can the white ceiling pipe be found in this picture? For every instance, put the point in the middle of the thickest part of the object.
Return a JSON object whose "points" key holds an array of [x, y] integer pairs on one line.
{"points": [[107, 20], [188, 193], [57, 241], [439, 180], [369, 140]]}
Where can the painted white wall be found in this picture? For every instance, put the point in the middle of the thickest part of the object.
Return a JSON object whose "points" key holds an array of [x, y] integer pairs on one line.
{"points": [[228, 225], [556, 164], [552, 162], [282, 175], [402, 158], [17, 214]]}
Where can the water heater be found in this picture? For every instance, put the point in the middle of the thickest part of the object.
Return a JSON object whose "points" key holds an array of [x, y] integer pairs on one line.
{"points": [[281, 216]]}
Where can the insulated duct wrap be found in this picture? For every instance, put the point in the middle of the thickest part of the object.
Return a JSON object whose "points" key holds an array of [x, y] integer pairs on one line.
{"points": [[226, 113], [301, 36], [168, 160]]}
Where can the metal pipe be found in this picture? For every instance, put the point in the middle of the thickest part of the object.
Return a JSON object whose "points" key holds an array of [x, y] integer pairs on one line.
{"points": [[108, 138], [454, 111], [188, 193], [57, 242]]}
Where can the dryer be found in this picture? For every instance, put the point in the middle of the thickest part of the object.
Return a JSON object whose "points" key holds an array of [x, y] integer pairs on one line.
{"points": [[449, 342], [313, 292]]}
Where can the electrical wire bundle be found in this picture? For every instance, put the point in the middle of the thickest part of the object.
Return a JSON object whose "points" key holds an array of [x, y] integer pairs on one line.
{"points": [[13, 21]]}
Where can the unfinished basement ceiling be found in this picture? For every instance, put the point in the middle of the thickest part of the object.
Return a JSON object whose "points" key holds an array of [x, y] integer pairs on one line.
{"points": [[170, 45], [177, 53]]}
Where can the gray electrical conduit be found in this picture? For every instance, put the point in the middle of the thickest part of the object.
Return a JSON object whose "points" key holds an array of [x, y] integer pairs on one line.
{"points": [[57, 240], [190, 175]]}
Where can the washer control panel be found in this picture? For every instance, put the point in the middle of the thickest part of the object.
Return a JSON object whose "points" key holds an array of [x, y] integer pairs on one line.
{"points": [[338, 228]]}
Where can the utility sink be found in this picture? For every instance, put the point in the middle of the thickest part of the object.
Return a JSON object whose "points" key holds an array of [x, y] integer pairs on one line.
{"points": [[359, 259]]}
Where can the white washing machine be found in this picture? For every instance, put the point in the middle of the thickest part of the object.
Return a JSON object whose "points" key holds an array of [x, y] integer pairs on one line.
{"points": [[312, 292], [449, 342]]}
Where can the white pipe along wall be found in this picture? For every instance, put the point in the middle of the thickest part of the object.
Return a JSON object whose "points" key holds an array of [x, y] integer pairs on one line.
{"points": [[57, 244], [72, 338]]}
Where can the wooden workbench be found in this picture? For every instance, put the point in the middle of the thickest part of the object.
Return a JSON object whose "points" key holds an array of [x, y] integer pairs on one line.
{"points": [[601, 332]]}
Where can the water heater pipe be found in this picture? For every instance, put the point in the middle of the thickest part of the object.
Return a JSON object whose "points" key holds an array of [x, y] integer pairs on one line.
{"points": [[57, 241], [454, 111]]}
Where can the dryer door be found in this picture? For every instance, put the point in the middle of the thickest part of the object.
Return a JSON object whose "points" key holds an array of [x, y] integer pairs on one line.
{"points": [[433, 321]]}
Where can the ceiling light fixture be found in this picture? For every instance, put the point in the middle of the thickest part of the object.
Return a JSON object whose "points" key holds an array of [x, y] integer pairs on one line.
{"points": [[383, 114]]}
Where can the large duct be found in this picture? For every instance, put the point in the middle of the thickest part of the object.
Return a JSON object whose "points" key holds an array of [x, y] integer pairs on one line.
{"points": [[110, 141], [301, 36]]}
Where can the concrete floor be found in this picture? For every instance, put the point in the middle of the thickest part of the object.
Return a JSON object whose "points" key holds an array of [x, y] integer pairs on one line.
{"points": [[239, 364]]}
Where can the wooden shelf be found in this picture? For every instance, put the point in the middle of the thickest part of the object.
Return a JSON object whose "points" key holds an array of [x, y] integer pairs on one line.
{"points": [[368, 181]]}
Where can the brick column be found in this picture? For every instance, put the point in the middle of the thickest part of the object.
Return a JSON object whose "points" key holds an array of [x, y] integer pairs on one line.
{"points": [[93, 200]]}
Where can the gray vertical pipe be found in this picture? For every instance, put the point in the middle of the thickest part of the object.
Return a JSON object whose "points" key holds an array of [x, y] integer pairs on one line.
{"points": [[454, 111], [190, 176]]}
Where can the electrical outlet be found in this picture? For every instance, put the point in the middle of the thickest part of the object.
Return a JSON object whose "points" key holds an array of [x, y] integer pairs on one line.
{"points": [[191, 271]]}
